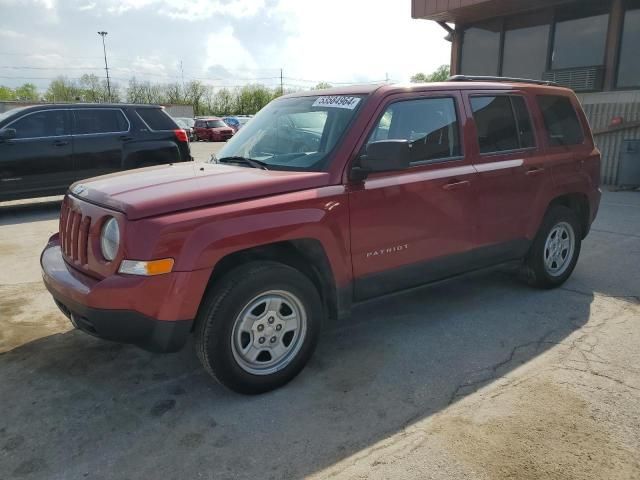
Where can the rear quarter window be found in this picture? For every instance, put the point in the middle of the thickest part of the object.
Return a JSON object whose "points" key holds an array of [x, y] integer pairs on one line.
{"points": [[561, 120], [156, 118]]}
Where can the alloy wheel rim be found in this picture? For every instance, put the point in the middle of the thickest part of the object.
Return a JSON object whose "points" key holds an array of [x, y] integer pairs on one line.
{"points": [[269, 332], [559, 248]]}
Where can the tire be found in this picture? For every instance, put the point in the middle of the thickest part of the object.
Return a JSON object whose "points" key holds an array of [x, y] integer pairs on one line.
{"points": [[561, 233], [256, 298]]}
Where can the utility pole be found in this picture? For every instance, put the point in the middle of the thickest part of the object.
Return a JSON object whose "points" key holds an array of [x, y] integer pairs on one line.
{"points": [[281, 83], [106, 66]]}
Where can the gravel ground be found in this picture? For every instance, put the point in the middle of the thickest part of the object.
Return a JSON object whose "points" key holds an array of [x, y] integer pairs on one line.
{"points": [[476, 378]]}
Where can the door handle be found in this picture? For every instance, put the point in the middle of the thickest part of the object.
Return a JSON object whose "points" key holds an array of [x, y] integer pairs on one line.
{"points": [[455, 185], [60, 143], [532, 172]]}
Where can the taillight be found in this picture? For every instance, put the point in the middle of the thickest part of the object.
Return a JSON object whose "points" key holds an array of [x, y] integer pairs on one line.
{"points": [[181, 135]]}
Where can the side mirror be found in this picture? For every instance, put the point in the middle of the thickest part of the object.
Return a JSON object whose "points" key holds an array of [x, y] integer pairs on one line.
{"points": [[7, 133], [383, 156]]}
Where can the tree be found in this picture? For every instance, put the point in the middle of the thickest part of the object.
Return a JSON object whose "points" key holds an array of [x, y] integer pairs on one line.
{"points": [[194, 92], [7, 93], [440, 75], [63, 90], [27, 92], [322, 85], [93, 89]]}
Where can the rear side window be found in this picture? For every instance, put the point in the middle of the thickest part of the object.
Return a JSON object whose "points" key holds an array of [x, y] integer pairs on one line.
{"points": [[502, 123], [430, 124], [561, 120], [88, 121], [156, 118], [47, 123]]}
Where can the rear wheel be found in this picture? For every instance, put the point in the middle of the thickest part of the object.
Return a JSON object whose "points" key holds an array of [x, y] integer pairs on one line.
{"points": [[258, 327], [555, 250]]}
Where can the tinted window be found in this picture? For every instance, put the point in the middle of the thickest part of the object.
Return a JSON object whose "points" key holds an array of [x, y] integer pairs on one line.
{"points": [[99, 121], [523, 120], [480, 49], [216, 124], [430, 124], [560, 120], [580, 42], [525, 47], [629, 68], [47, 123], [496, 124], [156, 118]]}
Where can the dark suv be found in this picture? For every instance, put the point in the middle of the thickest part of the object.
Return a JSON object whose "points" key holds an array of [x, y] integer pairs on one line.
{"points": [[45, 148]]}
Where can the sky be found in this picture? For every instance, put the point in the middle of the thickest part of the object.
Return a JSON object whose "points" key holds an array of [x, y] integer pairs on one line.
{"points": [[219, 42]]}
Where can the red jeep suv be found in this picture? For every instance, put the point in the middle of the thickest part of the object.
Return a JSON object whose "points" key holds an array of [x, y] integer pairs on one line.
{"points": [[326, 199], [212, 130]]}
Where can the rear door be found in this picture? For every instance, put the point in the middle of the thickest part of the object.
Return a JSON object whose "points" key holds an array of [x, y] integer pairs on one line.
{"points": [[38, 161], [512, 170], [413, 226], [99, 136]]}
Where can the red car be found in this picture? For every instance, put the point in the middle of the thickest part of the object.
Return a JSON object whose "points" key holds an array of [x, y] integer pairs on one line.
{"points": [[212, 129], [321, 202]]}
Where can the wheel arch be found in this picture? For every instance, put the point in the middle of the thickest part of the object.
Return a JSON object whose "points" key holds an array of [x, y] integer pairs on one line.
{"points": [[306, 255], [579, 204]]}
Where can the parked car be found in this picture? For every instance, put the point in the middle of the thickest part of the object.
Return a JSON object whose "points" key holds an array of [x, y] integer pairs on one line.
{"points": [[183, 124], [233, 122], [45, 148], [391, 187], [212, 129]]}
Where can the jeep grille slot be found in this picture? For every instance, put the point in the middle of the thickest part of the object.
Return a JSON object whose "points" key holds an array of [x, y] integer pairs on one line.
{"points": [[74, 235]]}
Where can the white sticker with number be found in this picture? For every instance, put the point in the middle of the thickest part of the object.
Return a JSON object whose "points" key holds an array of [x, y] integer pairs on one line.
{"points": [[337, 101]]}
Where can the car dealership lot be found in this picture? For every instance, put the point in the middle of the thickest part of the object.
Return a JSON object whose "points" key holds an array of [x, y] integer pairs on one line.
{"points": [[480, 377]]}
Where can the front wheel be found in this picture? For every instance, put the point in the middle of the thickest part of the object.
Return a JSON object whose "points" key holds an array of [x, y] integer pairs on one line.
{"points": [[258, 327], [555, 250]]}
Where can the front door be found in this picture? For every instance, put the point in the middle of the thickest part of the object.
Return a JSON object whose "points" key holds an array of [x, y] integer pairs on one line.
{"points": [[38, 161], [413, 226]]}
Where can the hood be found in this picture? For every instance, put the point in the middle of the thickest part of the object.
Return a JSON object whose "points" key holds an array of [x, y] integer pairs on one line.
{"points": [[170, 188]]}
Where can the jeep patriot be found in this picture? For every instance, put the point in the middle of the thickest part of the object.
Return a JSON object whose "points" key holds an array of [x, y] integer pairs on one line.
{"points": [[326, 199]]}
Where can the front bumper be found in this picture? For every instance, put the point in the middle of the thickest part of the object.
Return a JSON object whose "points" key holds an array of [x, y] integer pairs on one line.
{"points": [[117, 308]]}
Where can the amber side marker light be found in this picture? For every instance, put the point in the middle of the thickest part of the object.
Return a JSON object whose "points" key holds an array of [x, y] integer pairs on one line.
{"points": [[146, 268]]}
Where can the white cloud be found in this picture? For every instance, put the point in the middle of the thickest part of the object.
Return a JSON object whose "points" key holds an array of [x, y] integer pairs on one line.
{"points": [[192, 9], [224, 49], [86, 7]]}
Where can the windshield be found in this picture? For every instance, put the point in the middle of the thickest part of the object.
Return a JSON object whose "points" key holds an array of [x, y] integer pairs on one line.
{"points": [[294, 133], [188, 121], [216, 124], [10, 112]]}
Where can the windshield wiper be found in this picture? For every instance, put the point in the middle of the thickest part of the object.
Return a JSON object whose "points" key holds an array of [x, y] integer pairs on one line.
{"points": [[244, 161]]}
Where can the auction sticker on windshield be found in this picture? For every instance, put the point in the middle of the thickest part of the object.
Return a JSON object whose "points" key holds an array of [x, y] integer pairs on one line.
{"points": [[337, 101]]}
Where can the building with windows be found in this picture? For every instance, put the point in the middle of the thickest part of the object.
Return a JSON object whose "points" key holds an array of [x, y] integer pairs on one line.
{"points": [[591, 46]]}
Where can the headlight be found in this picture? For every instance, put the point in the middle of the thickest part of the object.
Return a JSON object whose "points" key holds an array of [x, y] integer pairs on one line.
{"points": [[110, 239]]}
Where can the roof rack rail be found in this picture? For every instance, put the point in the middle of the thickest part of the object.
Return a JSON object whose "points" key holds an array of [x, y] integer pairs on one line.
{"points": [[478, 78]]}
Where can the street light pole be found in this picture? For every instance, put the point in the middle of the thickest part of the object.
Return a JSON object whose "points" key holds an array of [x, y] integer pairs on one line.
{"points": [[106, 66]]}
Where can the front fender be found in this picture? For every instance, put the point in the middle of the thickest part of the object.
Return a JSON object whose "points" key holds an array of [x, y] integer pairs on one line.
{"points": [[199, 239]]}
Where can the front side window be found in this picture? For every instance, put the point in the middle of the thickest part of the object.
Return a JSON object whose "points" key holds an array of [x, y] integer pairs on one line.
{"points": [[90, 121], [502, 123], [580, 42], [561, 121], [629, 67], [295, 133], [429, 124], [47, 123]]}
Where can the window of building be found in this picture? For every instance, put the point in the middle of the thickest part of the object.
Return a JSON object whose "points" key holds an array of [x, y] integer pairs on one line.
{"points": [[90, 121], [629, 66], [502, 123], [580, 42], [156, 118], [561, 120], [47, 123], [481, 49], [525, 46], [430, 124]]}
